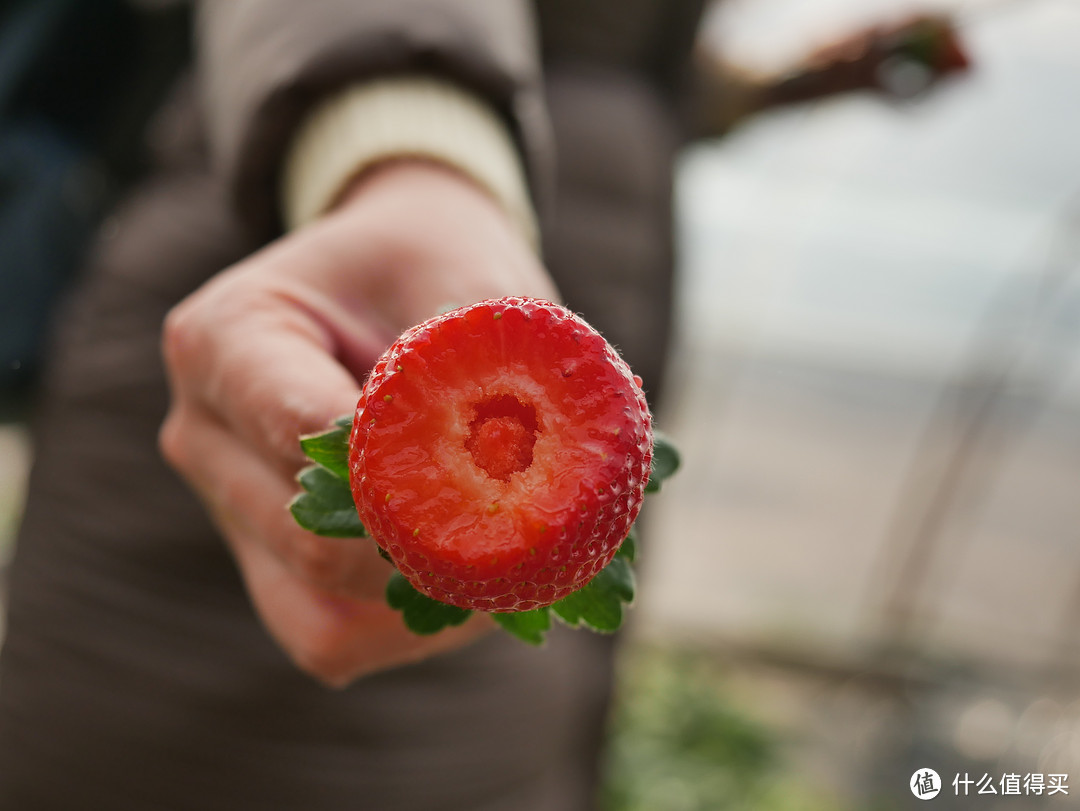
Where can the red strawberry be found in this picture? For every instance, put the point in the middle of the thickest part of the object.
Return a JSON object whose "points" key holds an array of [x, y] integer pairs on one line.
{"points": [[499, 454]]}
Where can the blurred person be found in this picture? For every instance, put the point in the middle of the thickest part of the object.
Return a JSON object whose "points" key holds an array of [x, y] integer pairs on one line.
{"points": [[327, 174], [403, 144]]}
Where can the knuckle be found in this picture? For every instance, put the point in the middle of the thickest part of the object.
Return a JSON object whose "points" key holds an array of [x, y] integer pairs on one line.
{"points": [[178, 334], [190, 324], [171, 439], [326, 656], [326, 668]]}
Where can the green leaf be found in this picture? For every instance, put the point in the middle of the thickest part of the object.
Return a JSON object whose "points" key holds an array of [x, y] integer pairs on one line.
{"points": [[335, 493], [330, 448], [665, 461], [599, 604], [528, 626], [326, 507], [628, 548], [422, 614]]}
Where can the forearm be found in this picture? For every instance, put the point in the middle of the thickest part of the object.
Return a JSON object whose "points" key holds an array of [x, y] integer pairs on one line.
{"points": [[265, 65]]}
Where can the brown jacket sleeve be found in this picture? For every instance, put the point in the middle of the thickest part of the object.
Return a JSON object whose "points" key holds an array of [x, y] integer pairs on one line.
{"points": [[264, 63]]}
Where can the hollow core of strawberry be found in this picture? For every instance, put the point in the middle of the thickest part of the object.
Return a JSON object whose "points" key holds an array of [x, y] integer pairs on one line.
{"points": [[502, 435]]}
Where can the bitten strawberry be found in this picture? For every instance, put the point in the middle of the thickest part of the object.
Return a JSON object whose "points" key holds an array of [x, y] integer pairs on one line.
{"points": [[499, 454]]}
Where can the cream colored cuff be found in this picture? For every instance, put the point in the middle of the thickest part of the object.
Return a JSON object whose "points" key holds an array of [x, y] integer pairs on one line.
{"points": [[402, 117]]}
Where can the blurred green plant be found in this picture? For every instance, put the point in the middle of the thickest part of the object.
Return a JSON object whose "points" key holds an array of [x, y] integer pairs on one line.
{"points": [[679, 743]]}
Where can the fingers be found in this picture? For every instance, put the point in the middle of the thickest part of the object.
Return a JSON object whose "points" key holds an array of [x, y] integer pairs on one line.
{"points": [[248, 498], [263, 364], [323, 599], [336, 639]]}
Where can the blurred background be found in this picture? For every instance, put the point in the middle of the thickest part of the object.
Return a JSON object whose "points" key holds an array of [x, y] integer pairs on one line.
{"points": [[869, 563]]}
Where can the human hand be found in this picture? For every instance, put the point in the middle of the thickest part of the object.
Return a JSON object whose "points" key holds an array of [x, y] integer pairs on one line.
{"points": [[278, 345]]}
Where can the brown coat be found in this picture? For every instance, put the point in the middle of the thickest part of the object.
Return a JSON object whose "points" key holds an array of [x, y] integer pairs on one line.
{"points": [[135, 674]]}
